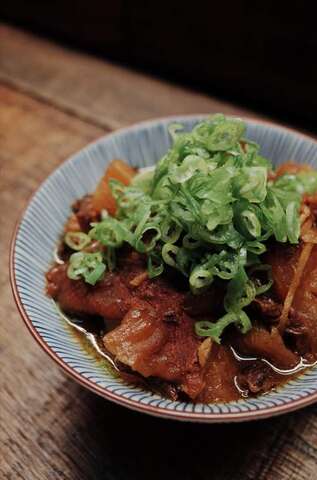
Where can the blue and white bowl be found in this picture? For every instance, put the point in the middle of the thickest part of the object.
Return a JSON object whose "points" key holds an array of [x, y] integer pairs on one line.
{"points": [[38, 232]]}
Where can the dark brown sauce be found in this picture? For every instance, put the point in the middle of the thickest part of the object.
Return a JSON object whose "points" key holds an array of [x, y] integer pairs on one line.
{"points": [[282, 375], [91, 340], [106, 362]]}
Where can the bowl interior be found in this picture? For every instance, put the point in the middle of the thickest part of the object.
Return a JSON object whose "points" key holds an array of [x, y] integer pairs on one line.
{"points": [[38, 233]]}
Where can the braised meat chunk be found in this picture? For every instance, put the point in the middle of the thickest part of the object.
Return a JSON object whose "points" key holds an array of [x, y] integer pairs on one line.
{"points": [[283, 260], [219, 374], [153, 345], [257, 378], [85, 212], [302, 319], [110, 299], [261, 343]]}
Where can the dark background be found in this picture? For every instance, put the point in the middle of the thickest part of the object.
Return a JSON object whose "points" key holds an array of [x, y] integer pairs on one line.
{"points": [[259, 54]]}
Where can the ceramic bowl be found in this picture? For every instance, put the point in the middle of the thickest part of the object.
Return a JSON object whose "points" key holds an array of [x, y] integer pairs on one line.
{"points": [[38, 231]]}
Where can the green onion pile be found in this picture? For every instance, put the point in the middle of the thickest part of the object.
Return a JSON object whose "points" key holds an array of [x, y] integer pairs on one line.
{"points": [[206, 210]]}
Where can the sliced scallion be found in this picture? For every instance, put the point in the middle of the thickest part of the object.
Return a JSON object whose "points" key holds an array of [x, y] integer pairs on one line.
{"points": [[77, 240]]}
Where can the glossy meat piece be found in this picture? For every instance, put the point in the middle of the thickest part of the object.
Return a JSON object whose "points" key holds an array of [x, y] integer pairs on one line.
{"points": [[302, 333], [218, 374], [305, 299], [303, 316], [109, 298], [268, 308], [257, 378], [311, 201], [261, 343], [72, 224], [152, 346], [85, 212], [283, 260]]}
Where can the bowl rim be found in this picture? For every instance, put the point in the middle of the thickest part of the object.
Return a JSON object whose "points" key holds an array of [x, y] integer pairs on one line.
{"points": [[222, 417]]}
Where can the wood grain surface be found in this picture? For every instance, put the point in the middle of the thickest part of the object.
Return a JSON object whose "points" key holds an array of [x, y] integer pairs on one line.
{"points": [[53, 102]]}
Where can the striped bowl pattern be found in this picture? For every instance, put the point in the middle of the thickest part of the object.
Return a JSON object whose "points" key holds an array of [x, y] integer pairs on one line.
{"points": [[39, 229]]}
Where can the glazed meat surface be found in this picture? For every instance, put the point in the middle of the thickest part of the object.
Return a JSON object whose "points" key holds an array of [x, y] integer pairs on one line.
{"points": [[85, 212], [283, 260], [158, 344], [302, 325], [262, 343], [150, 330], [110, 299]]}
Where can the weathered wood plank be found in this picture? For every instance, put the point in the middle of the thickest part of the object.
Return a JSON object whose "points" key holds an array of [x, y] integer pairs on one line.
{"points": [[34, 139], [99, 91]]}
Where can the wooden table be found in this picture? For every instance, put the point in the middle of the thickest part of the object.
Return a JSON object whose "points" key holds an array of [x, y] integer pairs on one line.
{"points": [[53, 102]]}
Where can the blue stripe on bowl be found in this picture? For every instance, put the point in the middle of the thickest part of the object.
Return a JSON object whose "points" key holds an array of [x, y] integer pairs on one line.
{"points": [[141, 145]]}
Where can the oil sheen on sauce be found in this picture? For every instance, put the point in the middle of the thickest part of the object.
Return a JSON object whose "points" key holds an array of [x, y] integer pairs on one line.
{"points": [[90, 339]]}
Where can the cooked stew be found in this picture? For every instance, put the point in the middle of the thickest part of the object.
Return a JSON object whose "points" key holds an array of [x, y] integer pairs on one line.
{"points": [[199, 276]]}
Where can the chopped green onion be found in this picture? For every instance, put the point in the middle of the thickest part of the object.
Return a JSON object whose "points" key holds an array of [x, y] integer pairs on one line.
{"points": [[77, 240], [251, 222], [215, 330], [169, 252], [110, 255], [89, 266], [170, 231], [155, 265], [190, 243], [292, 222], [200, 278]]}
